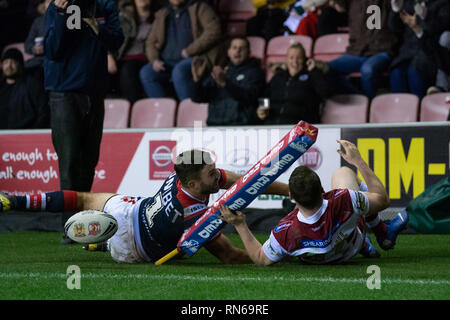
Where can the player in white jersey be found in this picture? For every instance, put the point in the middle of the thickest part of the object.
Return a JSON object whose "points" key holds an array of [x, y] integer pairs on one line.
{"points": [[326, 227]]}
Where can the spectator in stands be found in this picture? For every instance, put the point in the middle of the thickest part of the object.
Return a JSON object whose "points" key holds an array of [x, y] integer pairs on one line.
{"points": [[411, 70], [23, 101], [232, 93], [182, 30], [269, 18], [295, 93], [434, 36], [34, 44], [304, 16], [330, 20], [75, 68], [136, 18], [370, 50]]}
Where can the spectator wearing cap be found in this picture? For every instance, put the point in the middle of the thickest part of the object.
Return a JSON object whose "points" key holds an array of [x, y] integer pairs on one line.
{"points": [[23, 101], [231, 92]]}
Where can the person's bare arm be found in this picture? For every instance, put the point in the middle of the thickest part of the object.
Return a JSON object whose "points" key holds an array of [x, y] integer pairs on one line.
{"points": [[252, 245], [223, 249], [275, 187], [377, 195]]}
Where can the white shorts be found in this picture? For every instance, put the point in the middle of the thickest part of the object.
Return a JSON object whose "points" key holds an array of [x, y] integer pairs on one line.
{"points": [[122, 245]]}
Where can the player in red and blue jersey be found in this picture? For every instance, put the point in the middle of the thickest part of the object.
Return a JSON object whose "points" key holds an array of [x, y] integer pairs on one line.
{"points": [[326, 227], [149, 228]]}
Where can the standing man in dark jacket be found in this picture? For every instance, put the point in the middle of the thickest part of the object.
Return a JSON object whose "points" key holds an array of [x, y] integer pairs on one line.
{"points": [[232, 93], [75, 67]]}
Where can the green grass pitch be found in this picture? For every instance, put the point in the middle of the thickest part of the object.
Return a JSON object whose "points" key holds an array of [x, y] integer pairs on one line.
{"points": [[33, 265]]}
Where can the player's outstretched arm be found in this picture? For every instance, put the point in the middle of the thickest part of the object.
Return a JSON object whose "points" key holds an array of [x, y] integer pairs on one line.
{"points": [[377, 195], [275, 187], [252, 245], [223, 249]]}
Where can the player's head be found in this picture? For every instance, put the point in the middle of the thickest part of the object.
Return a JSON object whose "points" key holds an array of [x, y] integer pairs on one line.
{"points": [[305, 187], [197, 171]]}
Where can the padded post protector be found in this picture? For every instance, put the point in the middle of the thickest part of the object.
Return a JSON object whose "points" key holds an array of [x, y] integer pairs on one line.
{"points": [[250, 185]]}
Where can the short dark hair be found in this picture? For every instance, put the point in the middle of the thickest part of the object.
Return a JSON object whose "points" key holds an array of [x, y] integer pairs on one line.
{"points": [[305, 187], [239, 38], [189, 164]]}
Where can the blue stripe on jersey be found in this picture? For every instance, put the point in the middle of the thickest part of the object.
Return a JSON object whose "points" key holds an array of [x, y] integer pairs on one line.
{"points": [[321, 243]]}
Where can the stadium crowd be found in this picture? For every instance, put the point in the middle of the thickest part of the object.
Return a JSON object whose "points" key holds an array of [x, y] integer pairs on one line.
{"points": [[185, 49]]}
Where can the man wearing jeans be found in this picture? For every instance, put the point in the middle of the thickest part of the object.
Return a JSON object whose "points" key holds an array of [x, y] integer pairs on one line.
{"points": [[370, 49], [75, 68], [181, 30]]}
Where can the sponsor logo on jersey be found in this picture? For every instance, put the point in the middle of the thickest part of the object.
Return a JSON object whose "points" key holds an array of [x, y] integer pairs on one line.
{"points": [[271, 250], [194, 209], [360, 201], [321, 243], [282, 226]]}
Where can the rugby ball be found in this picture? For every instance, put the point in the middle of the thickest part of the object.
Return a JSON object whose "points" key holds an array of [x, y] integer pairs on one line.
{"points": [[90, 226]]}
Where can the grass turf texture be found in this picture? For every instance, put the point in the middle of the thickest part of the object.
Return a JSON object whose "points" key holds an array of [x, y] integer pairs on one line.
{"points": [[33, 266]]}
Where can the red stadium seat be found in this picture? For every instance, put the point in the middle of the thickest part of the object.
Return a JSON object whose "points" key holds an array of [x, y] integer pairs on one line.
{"points": [[330, 46], [435, 107], [394, 107], [278, 46], [346, 108], [117, 113], [153, 113], [21, 47], [236, 10], [257, 47], [235, 29], [189, 111]]}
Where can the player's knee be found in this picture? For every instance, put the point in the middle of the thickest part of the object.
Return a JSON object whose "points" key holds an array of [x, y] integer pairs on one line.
{"points": [[344, 177]]}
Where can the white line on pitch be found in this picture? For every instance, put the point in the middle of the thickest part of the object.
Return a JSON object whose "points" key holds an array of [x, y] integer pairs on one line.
{"points": [[131, 276]]}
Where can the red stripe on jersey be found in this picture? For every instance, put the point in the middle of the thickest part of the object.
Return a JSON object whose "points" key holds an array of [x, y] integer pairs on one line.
{"points": [[35, 201]]}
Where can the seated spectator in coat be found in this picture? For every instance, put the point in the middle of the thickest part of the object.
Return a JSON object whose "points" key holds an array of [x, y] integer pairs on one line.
{"points": [[23, 101], [411, 70], [370, 50], [232, 93], [296, 93], [182, 30], [136, 18]]}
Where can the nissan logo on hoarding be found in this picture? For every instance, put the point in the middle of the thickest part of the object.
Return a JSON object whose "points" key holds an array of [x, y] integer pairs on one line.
{"points": [[240, 158], [162, 156], [312, 158]]}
